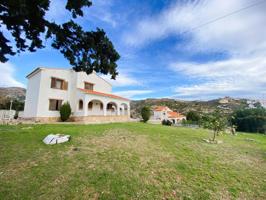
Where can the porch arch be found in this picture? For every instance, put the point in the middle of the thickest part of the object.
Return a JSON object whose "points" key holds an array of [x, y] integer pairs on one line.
{"points": [[111, 108], [123, 109], [95, 107]]}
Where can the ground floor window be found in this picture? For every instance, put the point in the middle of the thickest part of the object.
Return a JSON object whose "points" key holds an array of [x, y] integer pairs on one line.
{"points": [[55, 104], [80, 104]]}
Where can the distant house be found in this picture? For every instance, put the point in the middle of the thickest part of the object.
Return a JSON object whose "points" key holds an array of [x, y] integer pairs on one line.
{"points": [[90, 97], [164, 113]]}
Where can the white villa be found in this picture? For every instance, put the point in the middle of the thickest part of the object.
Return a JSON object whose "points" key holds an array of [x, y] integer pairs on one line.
{"points": [[161, 113], [89, 96]]}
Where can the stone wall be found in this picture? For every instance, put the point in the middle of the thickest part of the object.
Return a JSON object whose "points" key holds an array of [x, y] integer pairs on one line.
{"points": [[101, 119], [83, 119]]}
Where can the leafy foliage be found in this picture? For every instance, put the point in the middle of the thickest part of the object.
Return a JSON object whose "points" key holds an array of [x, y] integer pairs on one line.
{"points": [[250, 120], [146, 113], [214, 121], [193, 116], [16, 105], [167, 122], [65, 111], [85, 51]]}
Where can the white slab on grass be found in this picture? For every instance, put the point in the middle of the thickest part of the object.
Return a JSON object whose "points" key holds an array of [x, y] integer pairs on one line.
{"points": [[56, 138]]}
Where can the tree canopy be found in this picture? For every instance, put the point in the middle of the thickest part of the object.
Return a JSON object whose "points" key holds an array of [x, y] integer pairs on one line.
{"points": [[215, 121], [250, 120], [25, 21], [193, 116]]}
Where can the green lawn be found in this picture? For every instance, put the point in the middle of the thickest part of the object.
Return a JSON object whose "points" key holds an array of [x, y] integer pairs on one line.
{"points": [[130, 161]]}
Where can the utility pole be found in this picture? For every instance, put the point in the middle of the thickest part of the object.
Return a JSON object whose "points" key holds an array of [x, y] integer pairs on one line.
{"points": [[10, 108]]}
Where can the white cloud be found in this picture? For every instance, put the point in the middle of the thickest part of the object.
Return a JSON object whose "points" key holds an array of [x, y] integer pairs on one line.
{"points": [[7, 71], [235, 33], [242, 36], [133, 93], [233, 77], [57, 12], [102, 10], [122, 80]]}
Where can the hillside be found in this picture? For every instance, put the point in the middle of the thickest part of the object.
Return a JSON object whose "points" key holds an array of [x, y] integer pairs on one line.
{"points": [[226, 104], [15, 93]]}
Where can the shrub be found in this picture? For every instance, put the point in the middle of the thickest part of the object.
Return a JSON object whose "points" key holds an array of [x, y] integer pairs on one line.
{"points": [[65, 111], [145, 113], [167, 122]]}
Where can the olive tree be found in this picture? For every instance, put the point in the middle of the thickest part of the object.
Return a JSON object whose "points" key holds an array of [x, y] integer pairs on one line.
{"points": [[216, 122]]}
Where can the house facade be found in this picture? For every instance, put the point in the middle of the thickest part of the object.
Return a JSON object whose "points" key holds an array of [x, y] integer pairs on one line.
{"points": [[89, 96], [161, 113]]}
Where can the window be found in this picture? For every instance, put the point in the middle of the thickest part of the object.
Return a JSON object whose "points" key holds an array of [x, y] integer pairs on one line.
{"points": [[80, 104], [90, 105], [57, 83], [88, 86], [55, 104]]}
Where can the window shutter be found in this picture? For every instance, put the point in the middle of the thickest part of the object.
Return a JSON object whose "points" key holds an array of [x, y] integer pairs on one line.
{"points": [[53, 82], [65, 85]]}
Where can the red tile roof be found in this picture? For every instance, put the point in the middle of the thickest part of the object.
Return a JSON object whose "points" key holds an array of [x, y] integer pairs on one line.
{"points": [[103, 94], [172, 114], [160, 108]]}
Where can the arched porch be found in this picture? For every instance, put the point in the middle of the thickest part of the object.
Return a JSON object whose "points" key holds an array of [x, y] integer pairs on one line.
{"points": [[124, 109], [112, 108], [95, 108]]}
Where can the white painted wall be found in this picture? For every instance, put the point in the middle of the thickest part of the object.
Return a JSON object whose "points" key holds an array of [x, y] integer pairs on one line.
{"points": [[32, 96], [100, 84], [160, 115], [46, 92]]}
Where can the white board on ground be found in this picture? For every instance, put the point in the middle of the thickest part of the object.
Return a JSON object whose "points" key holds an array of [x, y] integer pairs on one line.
{"points": [[56, 138]]}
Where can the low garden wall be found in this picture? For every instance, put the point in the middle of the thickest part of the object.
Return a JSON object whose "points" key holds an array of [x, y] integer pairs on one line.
{"points": [[84, 119]]}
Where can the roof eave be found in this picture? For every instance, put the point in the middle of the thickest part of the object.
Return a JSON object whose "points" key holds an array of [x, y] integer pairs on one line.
{"points": [[35, 71]]}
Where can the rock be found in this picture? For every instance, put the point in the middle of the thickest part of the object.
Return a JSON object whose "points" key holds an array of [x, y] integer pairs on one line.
{"points": [[206, 140], [212, 142], [56, 139], [249, 139]]}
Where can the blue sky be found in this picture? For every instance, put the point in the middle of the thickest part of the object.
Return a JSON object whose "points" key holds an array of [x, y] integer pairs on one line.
{"points": [[163, 54]]}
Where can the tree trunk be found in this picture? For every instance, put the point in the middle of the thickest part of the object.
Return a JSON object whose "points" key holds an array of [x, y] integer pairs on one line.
{"points": [[214, 135]]}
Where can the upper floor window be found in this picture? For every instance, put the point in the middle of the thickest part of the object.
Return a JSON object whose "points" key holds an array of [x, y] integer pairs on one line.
{"points": [[88, 86], [55, 104], [57, 83]]}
